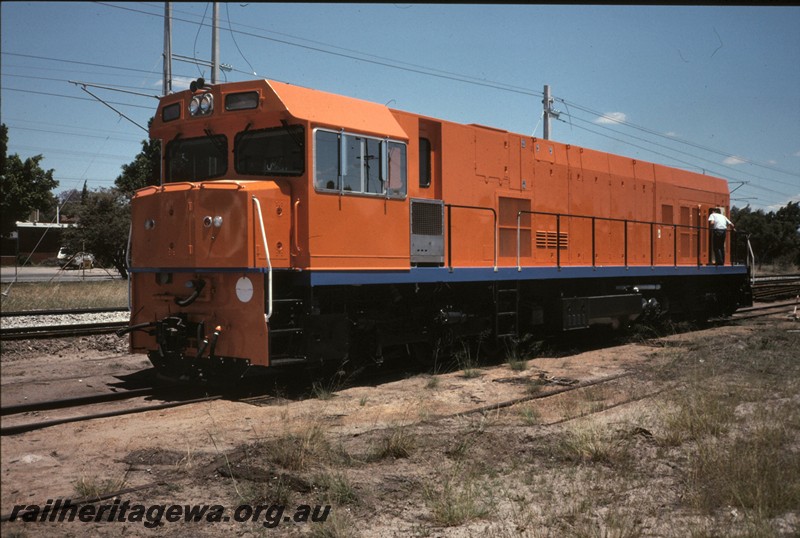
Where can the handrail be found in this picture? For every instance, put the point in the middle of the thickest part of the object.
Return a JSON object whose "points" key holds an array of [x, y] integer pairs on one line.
{"points": [[450, 235], [625, 222], [257, 205], [128, 266], [295, 224], [751, 261], [224, 184]]}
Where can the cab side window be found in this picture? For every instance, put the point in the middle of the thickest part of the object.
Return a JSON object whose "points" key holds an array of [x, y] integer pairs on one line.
{"points": [[326, 161], [424, 163], [353, 164]]}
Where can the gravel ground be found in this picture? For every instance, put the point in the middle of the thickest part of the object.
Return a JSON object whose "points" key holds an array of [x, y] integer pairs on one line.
{"points": [[62, 319]]}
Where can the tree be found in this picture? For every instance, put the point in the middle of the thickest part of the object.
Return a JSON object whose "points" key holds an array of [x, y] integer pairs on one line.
{"points": [[69, 202], [103, 225], [774, 236], [84, 193], [104, 215], [787, 224], [143, 171], [24, 186]]}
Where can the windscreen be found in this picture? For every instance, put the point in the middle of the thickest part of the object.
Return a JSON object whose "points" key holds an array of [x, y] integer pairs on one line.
{"points": [[196, 159], [278, 151]]}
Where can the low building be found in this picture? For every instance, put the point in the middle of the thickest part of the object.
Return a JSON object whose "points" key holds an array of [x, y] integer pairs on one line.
{"points": [[37, 240]]}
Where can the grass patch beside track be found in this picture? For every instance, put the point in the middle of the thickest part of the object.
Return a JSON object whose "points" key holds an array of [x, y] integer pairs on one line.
{"points": [[63, 295]]}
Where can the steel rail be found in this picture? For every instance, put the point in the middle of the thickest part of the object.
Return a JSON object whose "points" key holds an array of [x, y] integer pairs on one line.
{"points": [[765, 307], [47, 405], [59, 331], [22, 428], [63, 311]]}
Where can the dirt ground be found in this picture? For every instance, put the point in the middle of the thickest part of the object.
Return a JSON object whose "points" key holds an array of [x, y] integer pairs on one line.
{"points": [[472, 452]]}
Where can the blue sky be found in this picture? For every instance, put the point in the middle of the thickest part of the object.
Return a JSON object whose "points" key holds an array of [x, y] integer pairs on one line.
{"points": [[707, 88]]}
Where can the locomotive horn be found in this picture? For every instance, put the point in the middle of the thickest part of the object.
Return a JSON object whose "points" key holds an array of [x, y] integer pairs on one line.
{"points": [[197, 84]]}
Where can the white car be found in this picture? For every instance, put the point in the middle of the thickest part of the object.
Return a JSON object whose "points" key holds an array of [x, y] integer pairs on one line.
{"points": [[83, 260]]}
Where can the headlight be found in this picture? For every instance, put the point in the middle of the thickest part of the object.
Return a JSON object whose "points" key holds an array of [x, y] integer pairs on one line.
{"points": [[201, 105], [206, 103], [194, 105]]}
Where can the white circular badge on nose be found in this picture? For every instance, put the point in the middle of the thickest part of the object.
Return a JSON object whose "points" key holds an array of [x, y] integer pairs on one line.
{"points": [[244, 289]]}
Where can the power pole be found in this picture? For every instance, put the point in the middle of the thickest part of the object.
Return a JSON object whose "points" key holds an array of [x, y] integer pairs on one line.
{"points": [[214, 64], [215, 46], [167, 83], [548, 111]]}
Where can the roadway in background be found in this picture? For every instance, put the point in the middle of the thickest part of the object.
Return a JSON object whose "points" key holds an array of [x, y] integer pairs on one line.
{"points": [[55, 274]]}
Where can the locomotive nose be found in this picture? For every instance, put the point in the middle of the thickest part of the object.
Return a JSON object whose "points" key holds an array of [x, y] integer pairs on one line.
{"points": [[201, 269]]}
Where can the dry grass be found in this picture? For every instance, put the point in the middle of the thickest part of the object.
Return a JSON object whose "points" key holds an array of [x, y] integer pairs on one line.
{"points": [[736, 420], [48, 296], [398, 443], [340, 524], [756, 472], [699, 413], [338, 488], [94, 487], [458, 497], [432, 382], [299, 450], [591, 442]]}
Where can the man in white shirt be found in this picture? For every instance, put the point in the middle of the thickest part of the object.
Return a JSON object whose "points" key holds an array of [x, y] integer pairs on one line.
{"points": [[719, 226]]}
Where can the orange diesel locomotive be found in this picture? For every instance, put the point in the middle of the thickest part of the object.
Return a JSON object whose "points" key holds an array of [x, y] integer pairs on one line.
{"points": [[294, 226]]}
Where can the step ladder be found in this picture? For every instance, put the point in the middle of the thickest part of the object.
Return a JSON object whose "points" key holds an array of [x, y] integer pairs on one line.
{"points": [[506, 309], [286, 346]]}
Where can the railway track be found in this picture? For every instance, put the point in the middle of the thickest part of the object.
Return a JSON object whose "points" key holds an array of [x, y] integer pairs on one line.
{"points": [[60, 331], [88, 401], [790, 308], [61, 312], [776, 287], [48, 405]]}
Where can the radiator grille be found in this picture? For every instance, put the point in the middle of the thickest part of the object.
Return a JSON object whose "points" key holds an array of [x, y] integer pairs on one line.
{"points": [[427, 218], [427, 232], [546, 239]]}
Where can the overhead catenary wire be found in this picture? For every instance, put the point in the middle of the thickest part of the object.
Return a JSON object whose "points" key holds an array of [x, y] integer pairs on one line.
{"points": [[83, 87], [55, 131], [51, 94], [127, 89], [363, 57], [676, 139], [677, 160], [233, 37], [715, 163], [91, 64]]}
